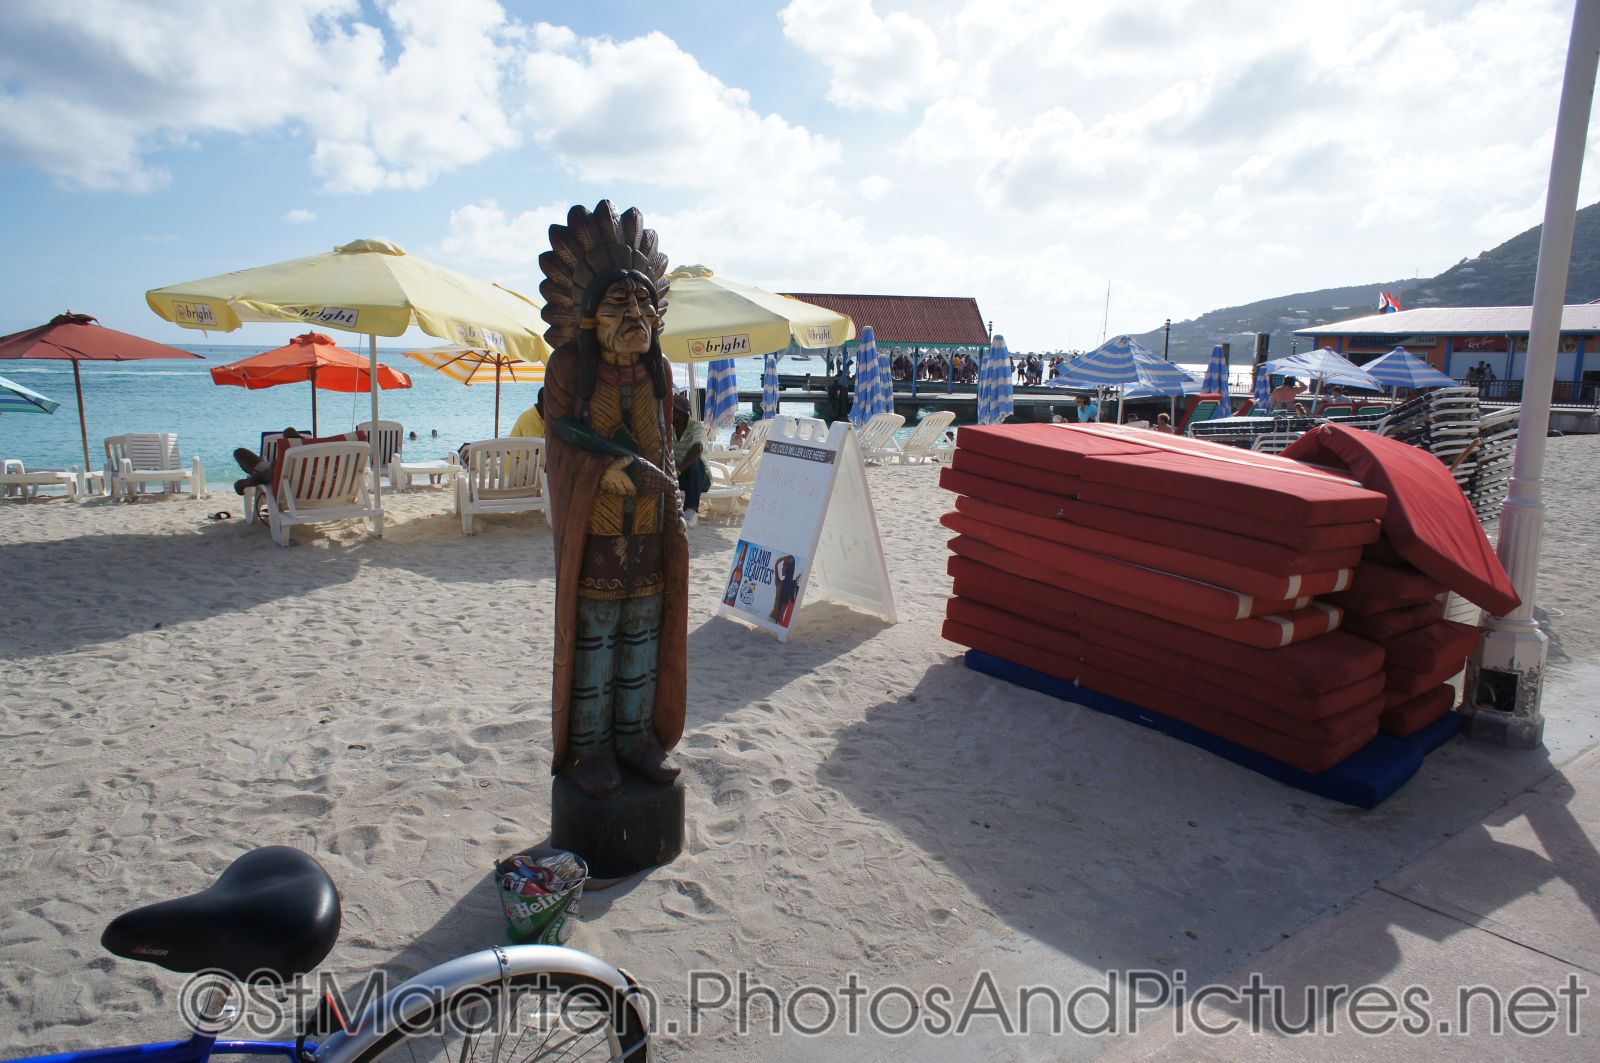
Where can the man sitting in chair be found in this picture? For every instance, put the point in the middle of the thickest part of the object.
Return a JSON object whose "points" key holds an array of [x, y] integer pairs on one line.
{"points": [[690, 443]]}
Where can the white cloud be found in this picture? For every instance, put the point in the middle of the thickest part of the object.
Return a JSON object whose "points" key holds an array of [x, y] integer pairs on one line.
{"points": [[645, 109], [300, 216], [144, 74], [874, 187], [878, 62]]}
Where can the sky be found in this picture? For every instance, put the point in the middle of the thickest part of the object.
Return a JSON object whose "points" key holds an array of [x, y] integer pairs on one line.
{"points": [[1033, 154]]}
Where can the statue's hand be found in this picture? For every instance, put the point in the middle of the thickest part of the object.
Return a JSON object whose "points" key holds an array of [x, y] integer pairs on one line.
{"points": [[615, 480]]}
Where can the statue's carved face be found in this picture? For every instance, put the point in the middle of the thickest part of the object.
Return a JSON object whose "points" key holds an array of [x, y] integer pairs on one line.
{"points": [[626, 319]]}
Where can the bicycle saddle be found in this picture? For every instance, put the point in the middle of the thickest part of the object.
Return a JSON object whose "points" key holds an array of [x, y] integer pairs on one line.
{"points": [[272, 916]]}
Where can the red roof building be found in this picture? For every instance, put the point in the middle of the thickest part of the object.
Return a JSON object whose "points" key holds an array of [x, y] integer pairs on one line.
{"points": [[910, 320]]}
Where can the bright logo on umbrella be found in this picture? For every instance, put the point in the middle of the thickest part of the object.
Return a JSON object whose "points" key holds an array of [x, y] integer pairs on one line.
{"points": [[720, 347], [342, 316], [193, 314]]}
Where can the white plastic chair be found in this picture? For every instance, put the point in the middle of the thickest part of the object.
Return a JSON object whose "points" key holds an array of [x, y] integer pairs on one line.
{"points": [[141, 458], [322, 482], [877, 437], [17, 482], [1274, 442], [923, 446], [502, 476], [732, 481]]}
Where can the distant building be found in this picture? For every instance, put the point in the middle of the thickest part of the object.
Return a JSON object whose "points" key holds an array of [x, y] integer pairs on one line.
{"points": [[1453, 339], [916, 321]]}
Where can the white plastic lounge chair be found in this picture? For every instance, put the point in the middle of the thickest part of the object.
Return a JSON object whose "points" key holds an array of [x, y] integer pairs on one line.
{"points": [[732, 482], [1274, 442], [502, 476], [923, 446], [17, 482], [391, 439], [322, 482], [141, 458], [393, 462], [877, 437]]}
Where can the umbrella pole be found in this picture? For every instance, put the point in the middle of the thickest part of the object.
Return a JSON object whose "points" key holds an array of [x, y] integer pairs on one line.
{"points": [[313, 403], [497, 400], [83, 421], [372, 439]]}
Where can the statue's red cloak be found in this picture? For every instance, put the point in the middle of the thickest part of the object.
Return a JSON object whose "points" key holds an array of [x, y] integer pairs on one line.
{"points": [[574, 480]]}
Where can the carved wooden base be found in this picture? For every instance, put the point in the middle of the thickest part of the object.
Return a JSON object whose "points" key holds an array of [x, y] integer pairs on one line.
{"points": [[639, 827]]}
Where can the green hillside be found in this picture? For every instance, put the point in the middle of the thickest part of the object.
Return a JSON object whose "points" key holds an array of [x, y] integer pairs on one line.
{"points": [[1502, 276]]}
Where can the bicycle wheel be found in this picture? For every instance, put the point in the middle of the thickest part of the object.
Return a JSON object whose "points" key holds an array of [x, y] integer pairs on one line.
{"points": [[530, 1017]]}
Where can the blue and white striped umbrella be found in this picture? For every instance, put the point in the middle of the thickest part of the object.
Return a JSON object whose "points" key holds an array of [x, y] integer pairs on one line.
{"points": [[1121, 361], [14, 398], [1166, 389], [1328, 366], [769, 387], [1216, 381], [1402, 369], [722, 393], [1263, 392], [995, 401], [874, 392]]}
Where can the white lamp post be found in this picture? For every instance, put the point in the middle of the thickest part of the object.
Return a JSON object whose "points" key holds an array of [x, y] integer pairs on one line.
{"points": [[1504, 678]]}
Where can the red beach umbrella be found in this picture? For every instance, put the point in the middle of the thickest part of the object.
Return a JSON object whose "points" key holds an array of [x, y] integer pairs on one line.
{"points": [[79, 338], [312, 357]]}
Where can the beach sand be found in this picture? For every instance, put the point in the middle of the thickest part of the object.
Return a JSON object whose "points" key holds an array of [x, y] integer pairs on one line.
{"points": [[178, 691]]}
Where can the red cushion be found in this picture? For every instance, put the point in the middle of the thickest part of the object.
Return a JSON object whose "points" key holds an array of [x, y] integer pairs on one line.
{"points": [[1430, 522], [992, 468], [1306, 670], [1427, 656], [1258, 553], [1382, 551], [1377, 601], [1394, 581], [1209, 569], [1307, 756], [1411, 716], [1294, 536], [1267, 700], [1182, 593], [1214, 476], [1266, 632], [1393, 622]]}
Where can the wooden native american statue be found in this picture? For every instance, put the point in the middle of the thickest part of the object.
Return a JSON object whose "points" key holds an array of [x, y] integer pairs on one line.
{"points": [[622, 556]]}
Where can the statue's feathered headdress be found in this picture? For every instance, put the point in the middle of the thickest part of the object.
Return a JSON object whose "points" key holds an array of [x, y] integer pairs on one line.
{"points": [[589, 254]]}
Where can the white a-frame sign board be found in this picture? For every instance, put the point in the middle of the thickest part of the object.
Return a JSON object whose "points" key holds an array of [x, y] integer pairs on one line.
{"points": [[810, 532]]}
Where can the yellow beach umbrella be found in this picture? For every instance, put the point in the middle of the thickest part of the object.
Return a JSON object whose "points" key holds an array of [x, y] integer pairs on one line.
{"points": [[710, 317], [366, 286], [471, 365]]}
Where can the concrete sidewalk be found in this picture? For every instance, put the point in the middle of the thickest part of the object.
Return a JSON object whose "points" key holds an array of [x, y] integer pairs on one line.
{"points": [[1469, 951]]}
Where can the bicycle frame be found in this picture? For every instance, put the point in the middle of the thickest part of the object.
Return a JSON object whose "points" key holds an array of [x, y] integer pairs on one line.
{"points": [[197, 1049], [489, 965]]}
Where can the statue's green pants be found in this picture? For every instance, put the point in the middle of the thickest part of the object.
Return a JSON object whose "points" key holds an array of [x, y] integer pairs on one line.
{"points": [[614, 674]]}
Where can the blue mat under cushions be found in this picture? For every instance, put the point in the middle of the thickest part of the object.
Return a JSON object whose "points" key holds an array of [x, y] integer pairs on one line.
{"points": [[1436, 733], [1365, 778]]}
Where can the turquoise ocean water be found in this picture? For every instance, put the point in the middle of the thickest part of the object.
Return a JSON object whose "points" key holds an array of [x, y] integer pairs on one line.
{"points": [[178, 396]]}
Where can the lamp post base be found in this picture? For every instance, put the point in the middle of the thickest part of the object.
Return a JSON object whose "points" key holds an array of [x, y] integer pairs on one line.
{"points": [[1504, 680]]}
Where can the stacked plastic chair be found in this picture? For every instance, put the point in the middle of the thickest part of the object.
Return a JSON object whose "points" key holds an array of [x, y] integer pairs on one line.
{"points": [[1443, 422], [1491, 473]]}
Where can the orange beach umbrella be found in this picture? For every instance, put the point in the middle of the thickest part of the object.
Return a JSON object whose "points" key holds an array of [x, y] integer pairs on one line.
{"points": [[313, 358]]}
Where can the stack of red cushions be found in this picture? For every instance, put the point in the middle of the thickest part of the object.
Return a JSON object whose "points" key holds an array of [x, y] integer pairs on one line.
{"points": [[1185, 577], [1432, 542]]}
